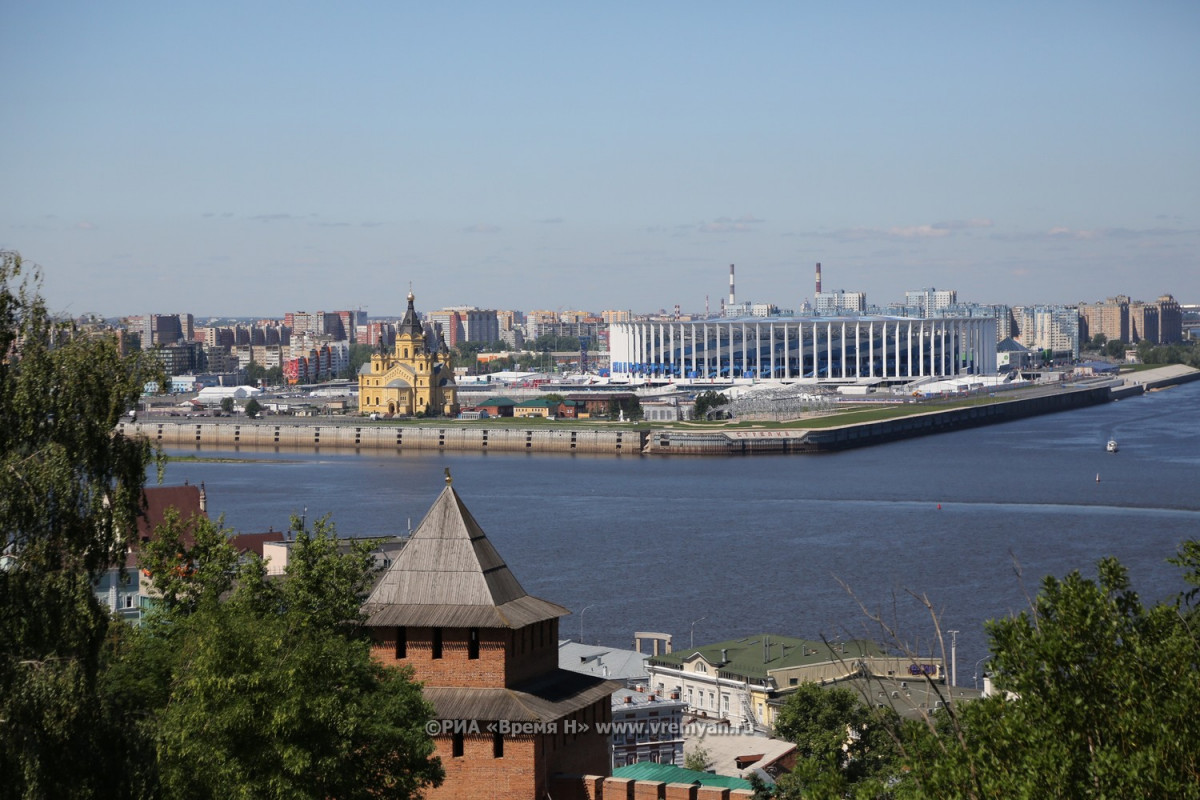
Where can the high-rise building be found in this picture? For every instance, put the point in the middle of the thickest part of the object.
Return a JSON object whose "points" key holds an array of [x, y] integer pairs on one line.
{"points": [[1110, 318], [1053, 328], [927, 303], [839, 302]]}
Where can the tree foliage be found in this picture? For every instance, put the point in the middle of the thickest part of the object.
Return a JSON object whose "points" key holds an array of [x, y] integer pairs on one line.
{"points": [[842, 745], [1096, 698], [239, 685], [280, 679], [706, 401], [70, 489]]}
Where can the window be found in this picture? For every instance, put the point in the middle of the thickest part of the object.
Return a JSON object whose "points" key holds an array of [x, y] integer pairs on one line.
{"points": [[473, 644], [497, 745], [437, 645], [401, 642], [456, 744]]}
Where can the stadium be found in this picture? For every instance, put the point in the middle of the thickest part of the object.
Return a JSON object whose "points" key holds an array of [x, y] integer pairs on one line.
{"points": [[836, 349]]}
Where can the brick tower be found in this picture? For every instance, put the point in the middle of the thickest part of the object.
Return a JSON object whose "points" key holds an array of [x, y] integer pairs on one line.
{"points": [[487, 654]]}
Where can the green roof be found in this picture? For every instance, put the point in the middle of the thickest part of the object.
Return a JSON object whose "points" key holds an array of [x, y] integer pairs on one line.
{"points": [[748, 657], [497, 401], [669, 773], [539, 402]]}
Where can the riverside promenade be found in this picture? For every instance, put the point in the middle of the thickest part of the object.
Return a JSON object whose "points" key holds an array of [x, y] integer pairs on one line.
{"points": [[919, 419]]}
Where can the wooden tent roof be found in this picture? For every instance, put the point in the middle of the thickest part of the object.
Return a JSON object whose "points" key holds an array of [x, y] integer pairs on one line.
{"points": [[449, 575]]}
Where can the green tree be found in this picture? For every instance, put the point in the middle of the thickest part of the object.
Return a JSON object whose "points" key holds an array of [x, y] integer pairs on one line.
{"points": [[272, 690], [252, 407], [1096, 698], [1116, 348], [842, 744], [698, 759], [707, 401], [70, 491], [227, 405], [1099, 341], [359, 354]]}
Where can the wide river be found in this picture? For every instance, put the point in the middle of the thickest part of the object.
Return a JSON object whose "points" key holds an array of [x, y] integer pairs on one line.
{"points": [[723, 547]]}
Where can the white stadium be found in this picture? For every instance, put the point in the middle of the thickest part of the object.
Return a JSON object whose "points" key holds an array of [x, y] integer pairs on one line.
{"points": [[838, 349]]}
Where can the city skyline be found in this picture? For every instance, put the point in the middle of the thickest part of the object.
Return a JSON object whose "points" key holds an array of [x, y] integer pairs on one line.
{"points": [[235, 161]]}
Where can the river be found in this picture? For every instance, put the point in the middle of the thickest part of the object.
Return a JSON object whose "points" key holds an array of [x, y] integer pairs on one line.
{"points": [[724, 547]]}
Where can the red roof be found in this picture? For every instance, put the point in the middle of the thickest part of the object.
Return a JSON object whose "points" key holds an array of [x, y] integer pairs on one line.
{"points": [[156, 501]]}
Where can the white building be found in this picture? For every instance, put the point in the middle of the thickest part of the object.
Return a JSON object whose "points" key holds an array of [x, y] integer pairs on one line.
{"points": [[839, 302], [789, 348]]}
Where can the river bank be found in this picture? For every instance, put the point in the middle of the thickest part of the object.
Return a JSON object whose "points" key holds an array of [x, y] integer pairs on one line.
{"points": [[361, 434]]}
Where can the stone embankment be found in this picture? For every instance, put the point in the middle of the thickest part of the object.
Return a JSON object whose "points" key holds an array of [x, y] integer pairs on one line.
{"points": [[345, 434]]}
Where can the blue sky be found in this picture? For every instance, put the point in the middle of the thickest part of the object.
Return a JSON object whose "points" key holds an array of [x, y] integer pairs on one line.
{"points": [[255, 158]]}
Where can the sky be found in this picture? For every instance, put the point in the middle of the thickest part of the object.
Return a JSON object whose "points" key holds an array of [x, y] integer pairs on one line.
{"points": [[253, 158]]}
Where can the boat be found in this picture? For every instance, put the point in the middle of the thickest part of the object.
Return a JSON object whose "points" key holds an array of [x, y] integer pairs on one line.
{"points": [[1111, 446]]}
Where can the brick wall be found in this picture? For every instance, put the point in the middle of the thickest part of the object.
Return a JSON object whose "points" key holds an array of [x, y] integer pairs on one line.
{"points": [[596, 787], [506, 658], [455, 668], [517, 775], [534, 651]]}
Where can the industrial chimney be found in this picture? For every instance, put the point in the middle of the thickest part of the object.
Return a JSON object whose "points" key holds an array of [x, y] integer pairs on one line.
{"points": [[732, 301], [818, 277]]}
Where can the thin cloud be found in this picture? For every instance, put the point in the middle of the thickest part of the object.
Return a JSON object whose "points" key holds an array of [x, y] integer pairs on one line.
{"points": [[481, 228], [84, 226], [742, 224], [273, 217], [918, 232], [550, 221], [962, 224]]}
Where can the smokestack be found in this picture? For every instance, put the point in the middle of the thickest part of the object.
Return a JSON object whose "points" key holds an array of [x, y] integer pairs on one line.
{"points": [[818, 277], [732, 301]]}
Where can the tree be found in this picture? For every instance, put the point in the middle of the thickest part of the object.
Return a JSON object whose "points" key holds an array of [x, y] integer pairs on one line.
{"points": [[1096, 697], [706, 401], [842, 744], [698, 759], [70, 491], [271, 691], [1116, 348], [359, 354], [252, 407], [227, 405], [1099, 341]]}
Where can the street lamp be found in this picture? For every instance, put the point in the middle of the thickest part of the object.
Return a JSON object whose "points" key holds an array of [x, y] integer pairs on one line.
{"points": [[692, 636], [581, 613], [953, 658], [976, 675]]}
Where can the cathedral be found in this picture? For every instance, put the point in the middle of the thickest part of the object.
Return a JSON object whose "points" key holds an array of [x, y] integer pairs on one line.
{"points": [[416, 378]]}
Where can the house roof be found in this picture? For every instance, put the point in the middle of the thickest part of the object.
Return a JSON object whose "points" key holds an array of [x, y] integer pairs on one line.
{"points": [[157, 500], [755, 656], [669, 773], [1011, 345], [537, 402], [608, 662], [450, 575], [745, 753]]}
